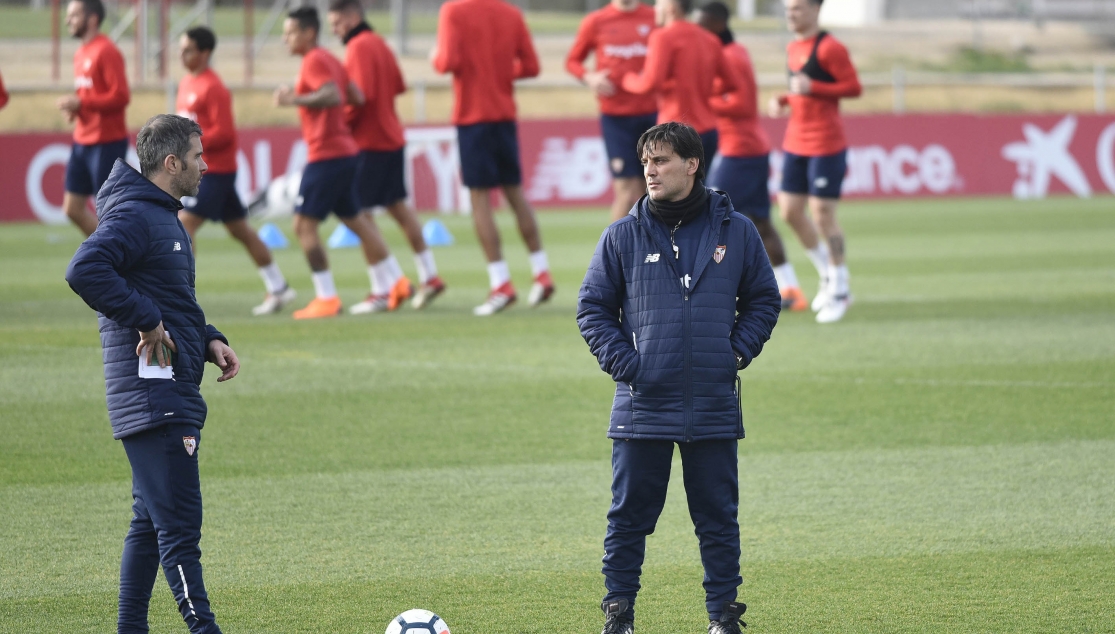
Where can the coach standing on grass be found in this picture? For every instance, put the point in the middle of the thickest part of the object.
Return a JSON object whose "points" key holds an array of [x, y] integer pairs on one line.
{"points": [[137, 272], [678, 297]]}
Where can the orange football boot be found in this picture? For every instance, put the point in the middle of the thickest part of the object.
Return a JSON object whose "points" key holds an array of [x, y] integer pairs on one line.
{"points": [[794, 300], [400, 292], [318, 308]]}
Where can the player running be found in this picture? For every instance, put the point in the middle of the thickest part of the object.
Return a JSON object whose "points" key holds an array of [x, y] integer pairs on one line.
{"points": [[485, 44], [96, 110], [742, 166], [327, 185], [380, 179], [617, 37], [202, 96], [821, 74], [682, 61]]}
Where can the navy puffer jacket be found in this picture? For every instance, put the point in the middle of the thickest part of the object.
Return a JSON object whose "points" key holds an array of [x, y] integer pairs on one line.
{"points": [[136, 270], [671, 350]]}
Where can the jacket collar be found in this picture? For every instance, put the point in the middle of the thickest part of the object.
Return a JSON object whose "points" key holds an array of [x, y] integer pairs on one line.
{"points": [[356, 30], [126, 185]]}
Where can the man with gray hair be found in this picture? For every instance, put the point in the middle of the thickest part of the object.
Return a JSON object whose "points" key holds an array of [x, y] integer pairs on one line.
{"points": [[137, 271]]}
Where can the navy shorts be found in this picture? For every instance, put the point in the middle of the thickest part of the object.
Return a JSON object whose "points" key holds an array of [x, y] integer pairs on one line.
{"points": [[327, 187], [820, 176], [90, 165], [216, 199], [710, 140], [489, 154], [744, 179], [380, 180], [621, 141]]}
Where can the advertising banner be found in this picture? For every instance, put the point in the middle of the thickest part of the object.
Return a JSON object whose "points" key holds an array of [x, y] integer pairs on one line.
{"points": [[564, 163]]}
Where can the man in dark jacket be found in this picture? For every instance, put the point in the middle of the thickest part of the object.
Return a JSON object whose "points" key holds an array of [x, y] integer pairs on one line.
{"points": [[137, 272], [678, 297]]}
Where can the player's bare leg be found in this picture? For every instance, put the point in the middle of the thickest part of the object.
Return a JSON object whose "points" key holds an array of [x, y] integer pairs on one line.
{"points": [[326, 303], [627, 192], [772, 241], [76, 207], [279, 293], [430, 284], [501, 292], [192, 222], [390, 288], [543, 287], [792, 208], [839, 296]]}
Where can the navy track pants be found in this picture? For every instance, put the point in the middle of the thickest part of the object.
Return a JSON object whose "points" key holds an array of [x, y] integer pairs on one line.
{"points": [[165, 529], [640, 475]]}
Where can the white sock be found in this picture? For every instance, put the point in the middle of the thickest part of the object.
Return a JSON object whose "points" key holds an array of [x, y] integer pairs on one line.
{"points": [[819, 256], [273, 278], [498, 274], [838, 280], [785, 276], [427, 268], [538, 263], [383, 278], [394, 268], [323, 284]]}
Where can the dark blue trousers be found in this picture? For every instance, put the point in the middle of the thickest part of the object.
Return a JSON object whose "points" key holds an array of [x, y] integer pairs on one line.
{"points": [[165, 529], [640, 475]]}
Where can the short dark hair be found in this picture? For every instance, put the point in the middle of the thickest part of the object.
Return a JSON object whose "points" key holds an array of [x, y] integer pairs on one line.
{"points": [[306, 17], [686, 6], [96, 7], [338, 6], [717, 11], [682, 138], [164, 135], [205, 39]]}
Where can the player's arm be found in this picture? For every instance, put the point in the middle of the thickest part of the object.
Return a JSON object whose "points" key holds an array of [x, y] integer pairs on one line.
{"points": [[654, 68], [598, 313], [834, 58], [757, 299], [526, 57], [583, 46], [726, 72], [327, 96], [446, 56], [354, 96], [110, 65], [741, 103], [223, 132], [120, 243]]}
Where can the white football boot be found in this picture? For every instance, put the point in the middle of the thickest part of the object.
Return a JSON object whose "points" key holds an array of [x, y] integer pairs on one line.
{"points": [[274, 302]]}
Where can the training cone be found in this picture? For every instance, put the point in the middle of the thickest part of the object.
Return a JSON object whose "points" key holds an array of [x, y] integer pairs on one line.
{"points": [[343, 238], [436, 234], [273, 237]]}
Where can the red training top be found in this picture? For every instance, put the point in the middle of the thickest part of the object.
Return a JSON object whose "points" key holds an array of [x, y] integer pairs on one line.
{"points": [[102, 86], [3, 94], [372, 67], [205, 99], [486, 45], [682, 61], [738, 111], [618, 39], [815, 128], [324, 129]]}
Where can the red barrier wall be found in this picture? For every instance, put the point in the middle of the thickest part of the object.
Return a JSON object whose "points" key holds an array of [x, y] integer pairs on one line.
{"points": [[564, 163]]}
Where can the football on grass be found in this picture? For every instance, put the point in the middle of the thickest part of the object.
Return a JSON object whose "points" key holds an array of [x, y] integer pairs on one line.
{"points": [[417, 622]]}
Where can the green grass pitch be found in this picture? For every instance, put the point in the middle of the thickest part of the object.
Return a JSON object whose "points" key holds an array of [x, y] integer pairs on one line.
{"points": [[943, 460]]}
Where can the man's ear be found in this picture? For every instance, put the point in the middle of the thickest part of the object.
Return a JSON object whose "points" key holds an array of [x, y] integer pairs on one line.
{"points": [[691, 165], [170, 164]]}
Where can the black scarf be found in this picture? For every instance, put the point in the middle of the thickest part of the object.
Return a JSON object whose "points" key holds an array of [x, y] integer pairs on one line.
{"points": [[356, 30], [678, 212]]}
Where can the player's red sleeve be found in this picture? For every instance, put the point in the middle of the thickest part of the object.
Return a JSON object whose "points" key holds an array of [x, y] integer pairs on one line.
{"points": [[582, 47], [741, 103], [725, 72], [222, 133], [111, 66], [834, 58], [447, 57], [400, 82], [317, 75], [654, 68], [3, 94], [528, 65]]}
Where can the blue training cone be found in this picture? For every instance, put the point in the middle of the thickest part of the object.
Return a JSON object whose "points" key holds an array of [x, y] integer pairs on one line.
{"points": [[436, 234], [343, 238], [273, 237]]}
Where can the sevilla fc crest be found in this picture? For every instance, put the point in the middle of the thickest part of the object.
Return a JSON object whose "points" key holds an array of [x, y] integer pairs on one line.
{"points": [[718, 254], [191, 444]]}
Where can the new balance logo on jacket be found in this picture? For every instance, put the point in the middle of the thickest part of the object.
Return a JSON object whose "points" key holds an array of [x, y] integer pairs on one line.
{"points": [[652, 257]]}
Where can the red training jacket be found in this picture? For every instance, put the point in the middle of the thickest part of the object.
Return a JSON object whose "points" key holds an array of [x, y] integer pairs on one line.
{"points": [[324, 129], [205, 99], [737, 112], [815, 128], [102, 86], [618, 40], [485, 44]]}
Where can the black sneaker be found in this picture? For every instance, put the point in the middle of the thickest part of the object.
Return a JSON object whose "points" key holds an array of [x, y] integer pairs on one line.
{"points": [[616, 619], [731, 619]]}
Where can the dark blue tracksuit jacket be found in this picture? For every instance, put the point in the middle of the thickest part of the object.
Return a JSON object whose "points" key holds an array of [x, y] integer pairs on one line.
{"points": [[672, 350], [135, 270]]}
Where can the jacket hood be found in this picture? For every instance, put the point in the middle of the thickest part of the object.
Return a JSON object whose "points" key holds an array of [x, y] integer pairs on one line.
{"points": [[719, 202], [126, 185]]}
